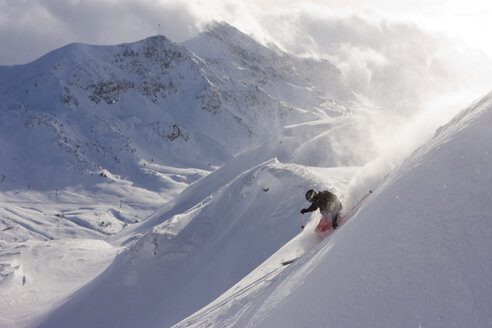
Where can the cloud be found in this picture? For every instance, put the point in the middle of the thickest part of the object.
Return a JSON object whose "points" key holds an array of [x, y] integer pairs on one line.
{"points": [[397, 62], [29, 29]]}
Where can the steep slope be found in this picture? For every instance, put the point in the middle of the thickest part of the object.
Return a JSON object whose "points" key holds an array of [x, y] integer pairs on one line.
{"points": [[417, 255], [294, 81]]}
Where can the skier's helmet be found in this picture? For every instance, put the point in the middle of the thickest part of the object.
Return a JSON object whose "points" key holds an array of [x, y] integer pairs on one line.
{"points": [[310, 195]]}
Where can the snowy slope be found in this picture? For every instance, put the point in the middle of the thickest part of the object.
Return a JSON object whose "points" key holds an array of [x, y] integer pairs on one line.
{"points": [[416, 255], [298, 83], [36, 276]]}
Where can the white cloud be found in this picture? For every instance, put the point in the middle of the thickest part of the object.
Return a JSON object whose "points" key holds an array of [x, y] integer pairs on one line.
{"points": [[396, 61]]}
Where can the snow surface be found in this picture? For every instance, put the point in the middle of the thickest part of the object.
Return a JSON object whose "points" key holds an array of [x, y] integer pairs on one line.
{"points": [[152, 184], [416, 255]]}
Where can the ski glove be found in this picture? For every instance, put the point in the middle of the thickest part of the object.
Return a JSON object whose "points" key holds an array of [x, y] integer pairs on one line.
{"points": [[303, 211]]}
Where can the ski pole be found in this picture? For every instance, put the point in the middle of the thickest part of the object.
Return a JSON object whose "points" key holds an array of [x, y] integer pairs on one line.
{"points": [[360, 201], [302, 226]]}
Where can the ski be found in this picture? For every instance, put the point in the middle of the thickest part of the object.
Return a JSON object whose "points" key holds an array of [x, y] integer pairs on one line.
{"points": [[285, 262]]}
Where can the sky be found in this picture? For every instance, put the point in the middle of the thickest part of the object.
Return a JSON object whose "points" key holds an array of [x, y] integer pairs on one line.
{"points": [[30, 28]]}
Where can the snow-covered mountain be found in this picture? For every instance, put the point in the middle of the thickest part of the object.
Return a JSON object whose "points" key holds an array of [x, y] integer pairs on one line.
{"points": [[96, 138], [114, 109], [153, 184], [150, 117]]}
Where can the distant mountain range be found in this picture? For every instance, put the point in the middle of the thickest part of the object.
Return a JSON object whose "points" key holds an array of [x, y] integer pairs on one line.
{"points": [[83, 112]]}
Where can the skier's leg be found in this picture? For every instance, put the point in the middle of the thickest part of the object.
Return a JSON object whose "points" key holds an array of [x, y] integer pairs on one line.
{"points": [[323, 225], [335, 214], [334, 222]]}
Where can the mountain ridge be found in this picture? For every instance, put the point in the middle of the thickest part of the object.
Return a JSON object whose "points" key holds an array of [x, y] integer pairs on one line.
{"points": [[152, 86]]}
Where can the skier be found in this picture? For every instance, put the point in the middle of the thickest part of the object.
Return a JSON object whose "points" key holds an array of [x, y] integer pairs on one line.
{"points": [[328, 205]]}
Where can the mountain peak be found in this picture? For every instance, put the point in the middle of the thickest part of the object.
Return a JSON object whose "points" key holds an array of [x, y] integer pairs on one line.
{"points": [[231, 36], [158, 40], [223, 29]]}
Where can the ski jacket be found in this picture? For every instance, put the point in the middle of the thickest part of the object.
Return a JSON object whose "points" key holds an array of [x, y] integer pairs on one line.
{"points": [[325, 201]]}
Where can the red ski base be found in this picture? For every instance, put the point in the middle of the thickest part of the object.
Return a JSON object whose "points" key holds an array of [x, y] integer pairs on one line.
{"points": [[324, 225]]}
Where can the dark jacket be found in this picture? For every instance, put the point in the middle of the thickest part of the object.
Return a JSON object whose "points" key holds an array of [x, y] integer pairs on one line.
{"points": [[324, 200]]}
